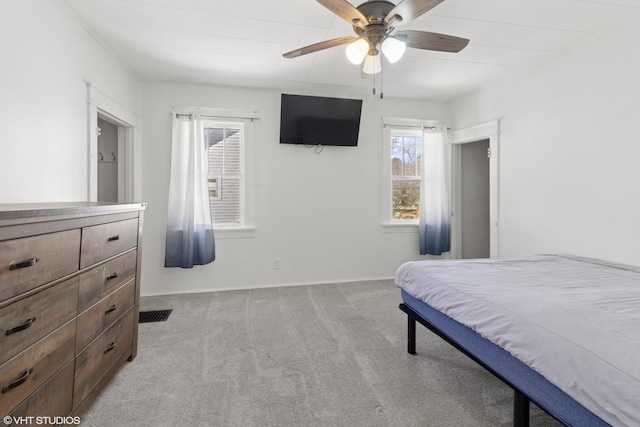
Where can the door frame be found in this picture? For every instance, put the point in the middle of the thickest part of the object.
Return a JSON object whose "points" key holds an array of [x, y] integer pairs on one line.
{"points": [[490, 131], [100, 104]]}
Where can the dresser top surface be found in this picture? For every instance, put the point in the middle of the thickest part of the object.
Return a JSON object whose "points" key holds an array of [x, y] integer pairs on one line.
{"points": [[17, 211]]}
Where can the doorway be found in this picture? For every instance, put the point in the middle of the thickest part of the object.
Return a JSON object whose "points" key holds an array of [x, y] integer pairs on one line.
{"points": [[474, 192], [113, 132], [474, 154]]}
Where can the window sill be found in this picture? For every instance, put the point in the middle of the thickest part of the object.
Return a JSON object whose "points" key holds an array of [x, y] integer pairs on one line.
{"points": [[393, 227], [234, 232]]}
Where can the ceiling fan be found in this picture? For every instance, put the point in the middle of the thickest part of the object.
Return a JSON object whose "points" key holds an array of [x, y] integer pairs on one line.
{"points": [[374, 23]]}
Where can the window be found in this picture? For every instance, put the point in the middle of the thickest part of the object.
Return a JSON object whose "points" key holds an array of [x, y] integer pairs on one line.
{"points": [[402, 170], [406, 172], [225, 165]]}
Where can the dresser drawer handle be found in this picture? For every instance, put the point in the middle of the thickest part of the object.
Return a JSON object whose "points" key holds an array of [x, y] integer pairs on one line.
{"points": [[114, 238], [111, 309], [111, 347], [112, 276], [24, 264], [19, 381], [22, 327]]}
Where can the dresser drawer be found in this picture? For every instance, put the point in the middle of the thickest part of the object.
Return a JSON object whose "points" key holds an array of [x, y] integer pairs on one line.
{"points": [[27, 371], [26, 321], [101, 281], [100, 242], [52, 399], [33, 261], [92, 322], [95, 360]]}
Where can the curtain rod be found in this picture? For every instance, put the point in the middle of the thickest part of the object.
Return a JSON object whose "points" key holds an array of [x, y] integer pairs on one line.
{"points": [[408, 127], [190, 115], [433, 128]]}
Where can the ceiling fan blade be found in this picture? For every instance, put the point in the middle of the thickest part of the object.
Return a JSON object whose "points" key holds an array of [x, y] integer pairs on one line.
{"points": [[319, 46], [432, 41], [408, 10], [346, 11]]}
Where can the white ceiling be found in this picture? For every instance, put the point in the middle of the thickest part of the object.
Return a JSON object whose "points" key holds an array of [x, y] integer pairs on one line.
{"points": [[241, 42]]}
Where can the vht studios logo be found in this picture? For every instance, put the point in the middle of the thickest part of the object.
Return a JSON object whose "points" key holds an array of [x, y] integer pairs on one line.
{"points": [[9, 420]]}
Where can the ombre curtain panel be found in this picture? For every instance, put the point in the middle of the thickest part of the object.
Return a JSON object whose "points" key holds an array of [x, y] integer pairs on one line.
{"points": [[435, 216], [190, 239]]}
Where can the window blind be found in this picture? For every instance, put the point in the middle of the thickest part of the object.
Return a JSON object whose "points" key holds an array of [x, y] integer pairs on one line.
{"points": [[225, 174]]}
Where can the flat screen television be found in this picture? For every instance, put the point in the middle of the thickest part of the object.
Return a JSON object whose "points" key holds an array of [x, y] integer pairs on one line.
{"points": [[315, 120]]}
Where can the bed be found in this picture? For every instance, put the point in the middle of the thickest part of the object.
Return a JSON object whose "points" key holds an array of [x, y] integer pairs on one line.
{"points": [[562, 331]]}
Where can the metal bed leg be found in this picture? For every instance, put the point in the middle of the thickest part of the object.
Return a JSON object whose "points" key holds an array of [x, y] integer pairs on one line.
{"points": [[411, 334], [411, 328], [520, 410]]}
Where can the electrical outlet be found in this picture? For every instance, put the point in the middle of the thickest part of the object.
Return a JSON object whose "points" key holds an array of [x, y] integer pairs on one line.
{"points": [[276, 263]]}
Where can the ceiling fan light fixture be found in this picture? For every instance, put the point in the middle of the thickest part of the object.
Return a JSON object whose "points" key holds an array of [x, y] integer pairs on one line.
{"points": [[372, 64], [393, 49], [357, 51]]}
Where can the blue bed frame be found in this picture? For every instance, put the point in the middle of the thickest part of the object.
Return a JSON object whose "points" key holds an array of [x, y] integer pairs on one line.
{"points": [[528, 385]]}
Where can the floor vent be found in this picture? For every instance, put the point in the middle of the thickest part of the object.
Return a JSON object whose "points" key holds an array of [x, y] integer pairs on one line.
{"points": [[154, 316]]}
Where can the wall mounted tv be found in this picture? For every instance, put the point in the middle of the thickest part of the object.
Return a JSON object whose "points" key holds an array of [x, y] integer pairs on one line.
{"points": [[314, 120]]}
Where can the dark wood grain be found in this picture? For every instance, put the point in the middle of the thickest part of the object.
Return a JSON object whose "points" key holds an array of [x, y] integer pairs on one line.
{"points": [[96, 283], [45, 357], [432, 41], [345, 10], [319, 46], [100, 316], [95, 360], [52, 399], [106, 240], [88, 258], [408, 10], [51, 308], [57, 255]]}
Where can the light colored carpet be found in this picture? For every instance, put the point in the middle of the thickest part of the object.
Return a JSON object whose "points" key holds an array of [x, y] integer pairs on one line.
{"points": [[322, 355]]}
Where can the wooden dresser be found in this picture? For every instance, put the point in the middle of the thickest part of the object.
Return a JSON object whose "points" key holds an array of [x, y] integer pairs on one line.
{"points": [[69, 300]]}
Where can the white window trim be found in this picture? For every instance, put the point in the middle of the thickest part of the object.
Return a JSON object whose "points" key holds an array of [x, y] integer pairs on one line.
{"points": [[388, 125], [234, 232], [247, 227]]}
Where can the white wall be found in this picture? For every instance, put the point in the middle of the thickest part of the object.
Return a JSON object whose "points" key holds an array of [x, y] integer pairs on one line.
{"points": [[45, 58], [319, 213], [569, 150]]}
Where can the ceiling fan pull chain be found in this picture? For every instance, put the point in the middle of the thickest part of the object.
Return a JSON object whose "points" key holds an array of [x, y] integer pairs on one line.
{"points": [[381, 89], [374, 83]]}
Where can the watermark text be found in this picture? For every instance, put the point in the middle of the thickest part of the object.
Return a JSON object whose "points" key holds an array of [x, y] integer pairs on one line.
{"points": [[9, 420]]}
